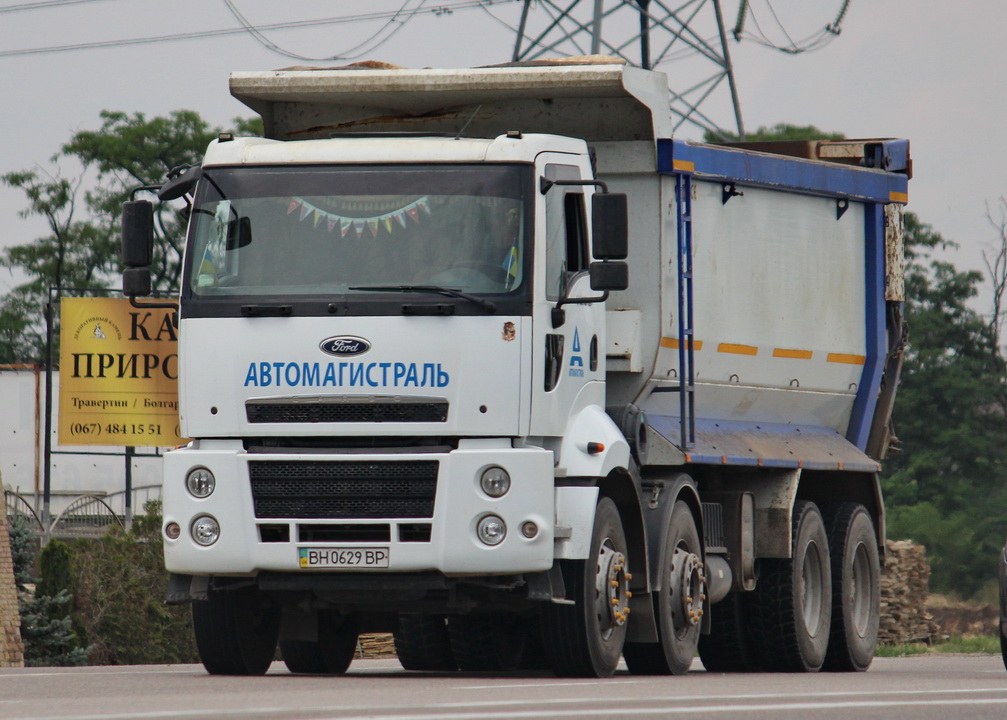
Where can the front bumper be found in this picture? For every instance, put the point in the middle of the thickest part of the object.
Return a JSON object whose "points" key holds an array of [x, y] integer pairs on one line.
{"points": [[447, 543]]}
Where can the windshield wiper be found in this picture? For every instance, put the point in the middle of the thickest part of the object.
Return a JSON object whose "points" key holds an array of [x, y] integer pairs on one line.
{"points": [[485, 304]]}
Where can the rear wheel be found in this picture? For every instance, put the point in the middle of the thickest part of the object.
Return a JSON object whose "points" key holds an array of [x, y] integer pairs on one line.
{"points": [[331, 653], [790, 611], [856, 588], [236, 631], [422, 643], [494, 642], [678, 606], [726, 648], [585, 638]]}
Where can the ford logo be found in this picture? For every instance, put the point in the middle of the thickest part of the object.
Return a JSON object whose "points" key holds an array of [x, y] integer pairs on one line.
{"points": [[344, 345]]}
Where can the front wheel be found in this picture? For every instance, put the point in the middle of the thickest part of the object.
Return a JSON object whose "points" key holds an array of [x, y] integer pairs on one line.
{"points": [[585, 638], [236, 631], [678, 605]]}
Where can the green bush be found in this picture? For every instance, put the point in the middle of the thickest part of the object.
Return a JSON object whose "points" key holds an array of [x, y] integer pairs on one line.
{"points": [[119, 582], [46, 626]]}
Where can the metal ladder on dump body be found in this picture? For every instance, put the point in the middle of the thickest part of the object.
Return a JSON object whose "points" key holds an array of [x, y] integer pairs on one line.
{"points": [[686, 334]]}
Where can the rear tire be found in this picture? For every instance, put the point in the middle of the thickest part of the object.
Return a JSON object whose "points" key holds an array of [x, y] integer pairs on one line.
{"points": [[494, 642], [726, 649], [856, 588], [236, 631], [422, 643], [585, 639], [791, 607], [678, 606], [331, 654]]}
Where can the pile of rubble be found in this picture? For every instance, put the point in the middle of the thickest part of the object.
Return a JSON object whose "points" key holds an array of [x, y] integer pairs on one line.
{"points": [[904, 590]]}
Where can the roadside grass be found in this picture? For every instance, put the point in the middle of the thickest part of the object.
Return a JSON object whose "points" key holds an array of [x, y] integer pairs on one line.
{"points": [[965, 645]]}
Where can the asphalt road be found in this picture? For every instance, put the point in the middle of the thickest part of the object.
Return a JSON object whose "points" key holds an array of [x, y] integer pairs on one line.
{"points": [[962, 687]]}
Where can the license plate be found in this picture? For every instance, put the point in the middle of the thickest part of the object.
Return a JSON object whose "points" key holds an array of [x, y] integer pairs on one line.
{"points": [[343, 557]]}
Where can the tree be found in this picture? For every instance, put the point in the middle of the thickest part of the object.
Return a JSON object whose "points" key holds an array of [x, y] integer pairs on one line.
{"points": [[46, 626], [776, 133], [80, 253], [949, 416]]}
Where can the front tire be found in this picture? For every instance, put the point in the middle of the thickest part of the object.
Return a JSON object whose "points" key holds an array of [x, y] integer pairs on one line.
{"points": [[856, 589], [586, 638], [791, 607], [678, 606], [236, 631]]}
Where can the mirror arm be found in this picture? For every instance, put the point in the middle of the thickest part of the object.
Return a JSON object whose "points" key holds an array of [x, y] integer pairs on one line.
{"points": [[170, 305], [559, 314], [544, 185]]}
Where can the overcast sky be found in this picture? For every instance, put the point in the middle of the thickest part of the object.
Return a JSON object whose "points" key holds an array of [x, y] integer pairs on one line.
{"points": [[929, 71]]}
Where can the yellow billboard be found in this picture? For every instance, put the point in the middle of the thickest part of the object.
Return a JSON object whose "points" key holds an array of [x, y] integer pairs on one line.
{"points": [[118, 380]]}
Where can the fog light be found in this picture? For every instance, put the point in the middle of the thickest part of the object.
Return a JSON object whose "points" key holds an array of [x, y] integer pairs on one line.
{"points": [[529, 529], [200, 482], [172, 531], [492, 530], [495, 482], [205, 530]]}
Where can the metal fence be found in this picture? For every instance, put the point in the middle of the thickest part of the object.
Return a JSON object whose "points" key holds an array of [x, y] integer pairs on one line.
{"points": [[87, 516]]}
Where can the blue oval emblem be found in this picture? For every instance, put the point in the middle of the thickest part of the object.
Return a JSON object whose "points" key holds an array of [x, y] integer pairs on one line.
{"points": [[344, 345]]}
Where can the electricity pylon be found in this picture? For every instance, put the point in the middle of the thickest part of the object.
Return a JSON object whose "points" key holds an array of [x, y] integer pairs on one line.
{"points": [[689, 31]]}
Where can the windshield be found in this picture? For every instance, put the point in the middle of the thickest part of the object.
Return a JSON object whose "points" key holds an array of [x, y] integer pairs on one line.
{"points": [[353, 230]]}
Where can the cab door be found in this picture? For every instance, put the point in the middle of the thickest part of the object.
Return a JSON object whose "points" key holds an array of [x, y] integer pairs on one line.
{"points": [[567, 372]]}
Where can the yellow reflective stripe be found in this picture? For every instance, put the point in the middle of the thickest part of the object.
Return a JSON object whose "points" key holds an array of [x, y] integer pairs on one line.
{"points": [[795, 354], [898, 197], [737, 349], [683, 166], [674, 344], [847, 359], [751, 350]]}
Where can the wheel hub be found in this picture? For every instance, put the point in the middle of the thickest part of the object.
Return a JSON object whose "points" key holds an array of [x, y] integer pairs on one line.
{"points": [[612, 588], [688, 588]]}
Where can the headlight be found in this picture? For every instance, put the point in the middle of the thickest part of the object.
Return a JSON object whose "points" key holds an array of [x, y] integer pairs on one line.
{"points": [[495, 482], [200, 482], [492, 530], [205, 530]]}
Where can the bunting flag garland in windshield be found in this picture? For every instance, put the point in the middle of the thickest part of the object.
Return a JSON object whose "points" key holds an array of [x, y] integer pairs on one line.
{"points": [[359, 225]]}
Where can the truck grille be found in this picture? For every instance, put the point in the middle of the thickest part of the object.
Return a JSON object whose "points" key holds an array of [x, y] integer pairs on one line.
{"points": [[339, 490], [346, 412]]}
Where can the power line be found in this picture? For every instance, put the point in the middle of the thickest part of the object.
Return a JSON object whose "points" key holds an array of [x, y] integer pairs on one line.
{"points": [[41, 5], [814, 41], [390, 26], [442, 9]]}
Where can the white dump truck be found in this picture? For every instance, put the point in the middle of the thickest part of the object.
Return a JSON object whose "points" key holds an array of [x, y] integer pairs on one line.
{"points": [[487, 359]]}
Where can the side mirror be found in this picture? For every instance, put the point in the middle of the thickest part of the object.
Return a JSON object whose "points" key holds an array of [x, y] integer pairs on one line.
{"points": [[180, 184], [137, 233], [239, 233], [136, 282], [610, 226], [137, 247], [609, 276]]}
